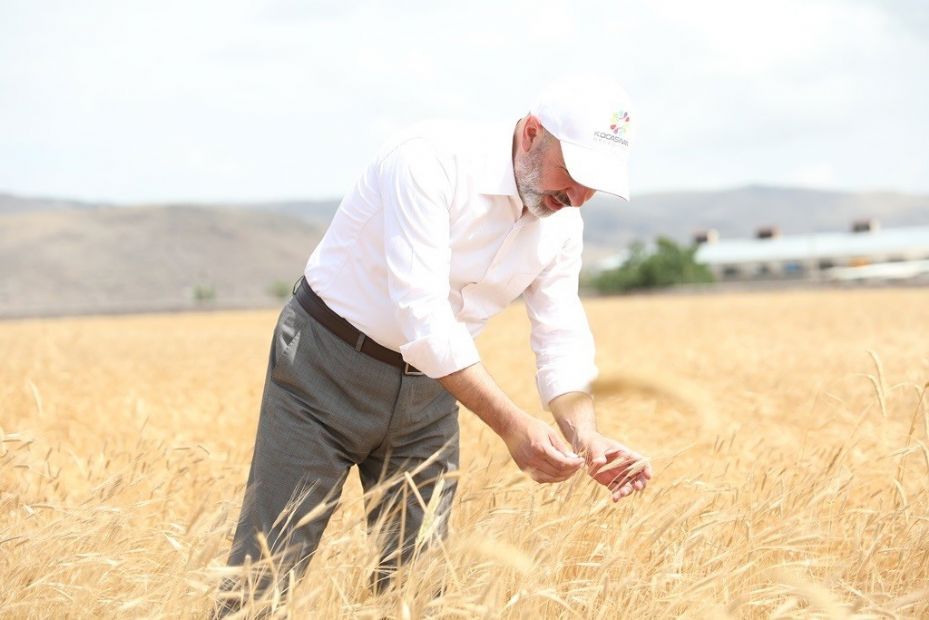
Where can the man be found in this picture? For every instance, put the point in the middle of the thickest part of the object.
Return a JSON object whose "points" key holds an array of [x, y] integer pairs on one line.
{"points": [[444, 228]]}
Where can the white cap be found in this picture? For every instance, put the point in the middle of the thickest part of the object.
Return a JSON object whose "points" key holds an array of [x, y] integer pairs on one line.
{"points": [[593, 120]]}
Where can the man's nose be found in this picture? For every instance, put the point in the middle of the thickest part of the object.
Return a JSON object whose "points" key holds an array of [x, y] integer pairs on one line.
{"points": [[578, 194]]}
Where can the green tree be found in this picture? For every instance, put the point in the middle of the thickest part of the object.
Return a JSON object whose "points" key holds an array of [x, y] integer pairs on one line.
{"points": [[668, 265], [280, 289]]}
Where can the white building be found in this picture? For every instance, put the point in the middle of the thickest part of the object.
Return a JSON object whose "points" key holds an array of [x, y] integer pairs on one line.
{"points": [[870, 253]]}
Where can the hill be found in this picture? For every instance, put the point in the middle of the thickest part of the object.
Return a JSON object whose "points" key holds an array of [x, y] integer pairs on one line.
{"points": [[117, 259]]}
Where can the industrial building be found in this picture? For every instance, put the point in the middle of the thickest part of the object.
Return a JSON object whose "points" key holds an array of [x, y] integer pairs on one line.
{"points": [[867, 252]]}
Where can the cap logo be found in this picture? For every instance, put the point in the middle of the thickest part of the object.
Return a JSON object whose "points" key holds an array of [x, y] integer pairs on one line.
{"points": [[616, 136], [618, 123]]}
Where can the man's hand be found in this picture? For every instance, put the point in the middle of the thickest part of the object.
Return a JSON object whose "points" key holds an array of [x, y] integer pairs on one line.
{"points": [[537, 448], [613, 465], [539, 451], [609, 462]]}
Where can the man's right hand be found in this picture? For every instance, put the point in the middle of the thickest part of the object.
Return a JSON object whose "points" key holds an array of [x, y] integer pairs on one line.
{"points": [[540, 451], [537, 448]]}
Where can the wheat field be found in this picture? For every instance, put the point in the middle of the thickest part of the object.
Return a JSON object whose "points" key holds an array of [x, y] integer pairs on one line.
{"points": [[788, 434]]}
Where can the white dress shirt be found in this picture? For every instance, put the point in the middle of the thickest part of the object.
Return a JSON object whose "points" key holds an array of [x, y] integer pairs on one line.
{"points": [[433, 240]]}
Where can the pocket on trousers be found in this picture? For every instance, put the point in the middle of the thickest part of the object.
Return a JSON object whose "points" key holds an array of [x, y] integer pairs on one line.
{"points": [[287, 336]]}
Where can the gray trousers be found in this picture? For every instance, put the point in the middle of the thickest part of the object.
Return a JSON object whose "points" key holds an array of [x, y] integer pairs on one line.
{"points": [[325, 408]]}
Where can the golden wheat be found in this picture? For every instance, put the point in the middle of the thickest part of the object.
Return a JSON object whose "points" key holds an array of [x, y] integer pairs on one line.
{"points": [[788, 434]]}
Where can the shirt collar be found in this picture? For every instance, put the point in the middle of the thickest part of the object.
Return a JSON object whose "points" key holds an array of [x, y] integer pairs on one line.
{"points": [[495, 172]]}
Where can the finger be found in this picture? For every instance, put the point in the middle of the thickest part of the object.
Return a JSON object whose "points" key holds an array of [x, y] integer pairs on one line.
{"points": [[561, 477], [562, 447], [561, 470], [643, 469], [628, 465], [561, 460], [643, 464], [543, 477], [614, 461], [613, 472], [638, 480], [550, 472], [626, 476], [595, 460], [630, 453], [616, 450], [622, 491], [540, 467], [611, 480], [596, 456], [603, 459]]}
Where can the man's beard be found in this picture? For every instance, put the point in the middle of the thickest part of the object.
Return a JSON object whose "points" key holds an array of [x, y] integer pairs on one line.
{"points": [[528, 173]]}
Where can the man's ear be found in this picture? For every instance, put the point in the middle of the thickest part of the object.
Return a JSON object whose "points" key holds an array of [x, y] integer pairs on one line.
{"points": [[532, 131]]}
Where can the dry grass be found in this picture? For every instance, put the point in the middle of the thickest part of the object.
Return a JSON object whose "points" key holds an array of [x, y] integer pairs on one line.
{"points": [[788, 434]]}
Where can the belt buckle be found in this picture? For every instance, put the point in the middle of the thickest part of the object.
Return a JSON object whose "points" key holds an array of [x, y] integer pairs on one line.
{"points": [[409, 370]]}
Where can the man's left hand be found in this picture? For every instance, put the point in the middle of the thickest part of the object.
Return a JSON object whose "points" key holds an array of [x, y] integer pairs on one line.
{"points": [[614, 465]]}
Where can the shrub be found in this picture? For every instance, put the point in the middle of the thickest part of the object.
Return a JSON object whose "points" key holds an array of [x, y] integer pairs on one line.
{"points": [[280, 289], [204, 294], [667, 265]]}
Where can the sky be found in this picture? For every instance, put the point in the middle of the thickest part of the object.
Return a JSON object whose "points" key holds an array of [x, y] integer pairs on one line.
{"points": [[226, 100]]}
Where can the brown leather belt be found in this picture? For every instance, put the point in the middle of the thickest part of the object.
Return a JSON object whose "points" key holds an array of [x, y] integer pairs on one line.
{"points": [[318, 309]]}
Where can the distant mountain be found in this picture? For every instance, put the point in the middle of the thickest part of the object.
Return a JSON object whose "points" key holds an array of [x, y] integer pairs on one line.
{"points": [[14, 204], [110, 259], [63, 256], [317, 212]]}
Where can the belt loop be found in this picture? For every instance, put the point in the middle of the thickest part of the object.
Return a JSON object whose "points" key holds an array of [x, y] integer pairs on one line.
{"points": [[360, 341]]}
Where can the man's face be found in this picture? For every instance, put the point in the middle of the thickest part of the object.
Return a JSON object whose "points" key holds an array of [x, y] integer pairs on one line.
{"points": [[543, 181]]}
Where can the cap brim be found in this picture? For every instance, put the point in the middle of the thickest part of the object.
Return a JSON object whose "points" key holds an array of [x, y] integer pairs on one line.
{"points": [[597, 170]]}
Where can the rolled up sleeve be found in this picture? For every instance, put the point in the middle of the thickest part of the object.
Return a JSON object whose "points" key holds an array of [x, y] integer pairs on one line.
{"points": [[561, 337], [415, 191]]}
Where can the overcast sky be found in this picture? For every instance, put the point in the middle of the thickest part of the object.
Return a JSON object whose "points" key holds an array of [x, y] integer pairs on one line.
{"points": [[142, 101]]}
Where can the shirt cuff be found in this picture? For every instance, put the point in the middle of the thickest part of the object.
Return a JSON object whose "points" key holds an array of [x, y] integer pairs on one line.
{"points": [[438, 355], [555, 381]]}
